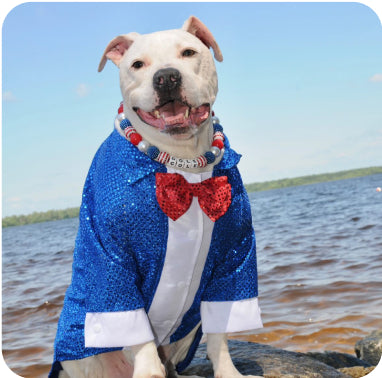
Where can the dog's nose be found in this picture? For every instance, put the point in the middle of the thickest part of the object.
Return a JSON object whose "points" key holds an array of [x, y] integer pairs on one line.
{"points": [[167, 80]]}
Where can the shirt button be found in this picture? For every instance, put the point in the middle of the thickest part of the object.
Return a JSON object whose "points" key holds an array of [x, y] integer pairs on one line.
{"points": [[97, 328]]}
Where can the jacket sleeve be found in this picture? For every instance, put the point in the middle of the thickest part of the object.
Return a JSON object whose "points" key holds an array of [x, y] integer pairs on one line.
{"points": [[106, 281], [229, 303]]}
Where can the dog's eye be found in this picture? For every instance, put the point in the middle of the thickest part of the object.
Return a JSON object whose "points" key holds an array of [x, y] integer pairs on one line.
{"points": [[188, 53], [137, 64]]}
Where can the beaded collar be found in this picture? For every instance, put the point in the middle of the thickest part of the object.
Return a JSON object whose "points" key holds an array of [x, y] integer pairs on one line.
{"points": [[217, 146]]}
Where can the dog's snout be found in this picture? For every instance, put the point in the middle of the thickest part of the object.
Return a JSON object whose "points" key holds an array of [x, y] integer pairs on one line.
{"points": [[167, 80]]}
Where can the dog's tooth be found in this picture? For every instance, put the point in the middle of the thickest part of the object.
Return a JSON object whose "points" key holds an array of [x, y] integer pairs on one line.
{"points": [[187, 113], [157, 114]]}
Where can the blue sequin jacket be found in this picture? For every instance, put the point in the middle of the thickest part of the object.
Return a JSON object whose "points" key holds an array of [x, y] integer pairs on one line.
{"points": [[121, 245]]}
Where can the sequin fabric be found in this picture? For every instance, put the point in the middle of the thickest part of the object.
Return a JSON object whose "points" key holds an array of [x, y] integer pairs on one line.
{"points": [[121, 245], [175, 194]]}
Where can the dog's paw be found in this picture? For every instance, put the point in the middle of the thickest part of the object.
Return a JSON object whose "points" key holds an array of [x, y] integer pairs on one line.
{"points": [[149, 375], [114, 365], [150, 372], [147, 363]]}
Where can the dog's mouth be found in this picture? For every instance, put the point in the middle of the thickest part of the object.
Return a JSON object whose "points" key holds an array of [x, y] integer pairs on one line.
{"points": [[175, 117]]}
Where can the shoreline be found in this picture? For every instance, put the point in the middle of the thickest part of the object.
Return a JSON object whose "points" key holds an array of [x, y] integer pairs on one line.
{"points": [[312, 179], [52, 215]]}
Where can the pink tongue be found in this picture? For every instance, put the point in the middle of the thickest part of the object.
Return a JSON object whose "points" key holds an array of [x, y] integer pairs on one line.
{"points": [[200, 114], [173, 113]]}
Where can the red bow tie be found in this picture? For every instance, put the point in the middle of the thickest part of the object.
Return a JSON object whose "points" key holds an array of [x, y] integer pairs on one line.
{"points": [[175, 194]]}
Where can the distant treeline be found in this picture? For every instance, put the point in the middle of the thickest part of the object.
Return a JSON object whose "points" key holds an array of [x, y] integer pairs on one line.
{"points": [[18, 220], [51, 215], [312, 179]]}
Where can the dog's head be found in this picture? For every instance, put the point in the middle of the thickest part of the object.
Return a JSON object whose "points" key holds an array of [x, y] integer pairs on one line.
{"points": [[168, 79]]}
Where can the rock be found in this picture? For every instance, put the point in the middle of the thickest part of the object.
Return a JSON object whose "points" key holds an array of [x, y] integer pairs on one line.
{"points": [[369, 348], [338, 360], [267, 361], [357, 371]]}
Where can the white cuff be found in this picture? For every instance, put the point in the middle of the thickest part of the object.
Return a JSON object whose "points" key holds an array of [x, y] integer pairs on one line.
{"points": [[117, 329], [227, 317]]}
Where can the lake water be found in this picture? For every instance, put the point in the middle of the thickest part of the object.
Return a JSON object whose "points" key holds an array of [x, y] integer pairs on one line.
{"points": [[319, 261]]}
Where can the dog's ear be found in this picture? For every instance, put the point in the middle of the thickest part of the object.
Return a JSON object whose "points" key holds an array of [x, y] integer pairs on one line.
{"points": [[116, 48], [196, 27]]}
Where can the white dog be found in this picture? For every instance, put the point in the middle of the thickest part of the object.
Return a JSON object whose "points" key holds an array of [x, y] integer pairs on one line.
{"points": [[148, 274]]}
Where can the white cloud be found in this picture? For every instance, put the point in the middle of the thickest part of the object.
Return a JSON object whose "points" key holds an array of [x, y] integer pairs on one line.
{"points": [[82, 90], [377, 78], [9, 96]]}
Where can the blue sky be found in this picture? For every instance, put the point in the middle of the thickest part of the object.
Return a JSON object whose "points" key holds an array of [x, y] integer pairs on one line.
{"points": [[300, 89]]}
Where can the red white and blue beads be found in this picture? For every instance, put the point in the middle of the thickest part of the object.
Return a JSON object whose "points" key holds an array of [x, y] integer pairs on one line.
{"points": [[153, 152], [165, 158]]}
